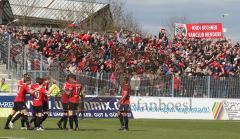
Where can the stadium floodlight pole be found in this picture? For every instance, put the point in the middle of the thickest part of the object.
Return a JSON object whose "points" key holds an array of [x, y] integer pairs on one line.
{"points": [[223, 16], [9, 47]]}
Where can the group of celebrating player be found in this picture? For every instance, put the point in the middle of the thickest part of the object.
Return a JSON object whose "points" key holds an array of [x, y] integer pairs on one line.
{"points": [[72, 93], [40, 96]]}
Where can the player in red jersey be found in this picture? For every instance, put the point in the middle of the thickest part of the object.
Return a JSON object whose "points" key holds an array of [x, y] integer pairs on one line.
{"points": [[47, 81], [64, 101], [34, 86], [81, 103], [124, 105], [73, 92], [19, 102], [19, 115], [21, 82], [38, 103], [74, 99], [45, 100]]}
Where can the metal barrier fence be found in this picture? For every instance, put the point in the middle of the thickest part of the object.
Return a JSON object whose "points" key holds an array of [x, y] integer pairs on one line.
{"points": [[21, 59], [108, 84], [12, 54]]}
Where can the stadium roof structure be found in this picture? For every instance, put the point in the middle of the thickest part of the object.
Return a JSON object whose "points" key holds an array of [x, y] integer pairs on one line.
{"points": [[57, 12], [6, 14]]}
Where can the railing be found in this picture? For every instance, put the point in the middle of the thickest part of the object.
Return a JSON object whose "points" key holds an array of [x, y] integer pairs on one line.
{"points": [[12, 54], [21, 60], [107, 84]]}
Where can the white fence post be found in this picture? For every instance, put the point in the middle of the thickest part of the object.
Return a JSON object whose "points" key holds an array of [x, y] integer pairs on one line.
{"points": [[25, 60], [208, 85], [9, 56], [172, 85], [97, 77], [41, 66]]}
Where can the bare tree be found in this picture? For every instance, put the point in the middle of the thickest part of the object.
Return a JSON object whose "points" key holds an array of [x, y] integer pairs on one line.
{"points": [[123, 19]]}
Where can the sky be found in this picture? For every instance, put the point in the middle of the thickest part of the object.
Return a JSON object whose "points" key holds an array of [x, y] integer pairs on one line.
{"points": [[153, 14]]}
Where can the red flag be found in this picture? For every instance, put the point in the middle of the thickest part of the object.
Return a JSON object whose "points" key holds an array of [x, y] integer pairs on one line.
{"points": [[74, 24]]}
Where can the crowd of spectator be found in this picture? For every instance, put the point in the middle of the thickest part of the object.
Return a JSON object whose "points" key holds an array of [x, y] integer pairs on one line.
{"points": [[146, 58], [125, 51]]}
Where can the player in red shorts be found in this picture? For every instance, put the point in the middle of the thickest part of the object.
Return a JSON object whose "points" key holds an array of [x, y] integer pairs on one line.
{"points": [[38, 103], [64, 101], [19, 102], [124, 105]]}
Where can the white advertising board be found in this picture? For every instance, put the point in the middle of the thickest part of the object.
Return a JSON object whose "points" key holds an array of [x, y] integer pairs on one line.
{"points": [[185, 108]]}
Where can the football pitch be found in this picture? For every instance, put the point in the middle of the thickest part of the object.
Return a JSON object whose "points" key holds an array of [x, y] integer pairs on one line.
{"points": [[139, 129]]}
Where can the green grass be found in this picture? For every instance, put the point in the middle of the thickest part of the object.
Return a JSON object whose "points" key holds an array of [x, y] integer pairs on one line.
{"points": [[139, 129]]}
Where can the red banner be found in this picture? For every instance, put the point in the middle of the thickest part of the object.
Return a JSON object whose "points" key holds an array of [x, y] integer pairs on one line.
{"points": [[200, 30]]}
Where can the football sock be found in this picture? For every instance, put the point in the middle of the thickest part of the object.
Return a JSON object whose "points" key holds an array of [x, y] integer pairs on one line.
{"points": [[45, 116], [75, 118], [65, 119], [8, 120], [121, 120], [125, 121], [71, 122], [16, 117]]}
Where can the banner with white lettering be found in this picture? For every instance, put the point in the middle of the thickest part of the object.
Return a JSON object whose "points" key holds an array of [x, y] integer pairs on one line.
{"points": [[199, 30], [94, 107], [185, 108]]}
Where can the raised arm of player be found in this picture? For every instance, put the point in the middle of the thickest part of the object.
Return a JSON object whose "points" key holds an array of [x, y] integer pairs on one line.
{"points": [[82, 91], [32, 91], [67, 88]]}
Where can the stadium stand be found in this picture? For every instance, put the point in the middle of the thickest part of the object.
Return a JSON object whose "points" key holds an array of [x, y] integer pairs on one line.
{"points": [[186, 62]]}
